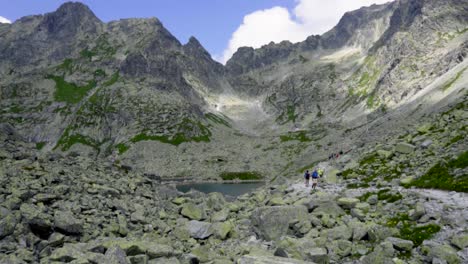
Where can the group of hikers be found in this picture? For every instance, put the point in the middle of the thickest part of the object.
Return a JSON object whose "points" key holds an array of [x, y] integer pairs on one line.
{"points": [[317, 173]]}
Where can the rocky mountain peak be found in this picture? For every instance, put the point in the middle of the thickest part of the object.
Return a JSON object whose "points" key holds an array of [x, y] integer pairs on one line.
{"points": [[194, 47], [70, 18]]}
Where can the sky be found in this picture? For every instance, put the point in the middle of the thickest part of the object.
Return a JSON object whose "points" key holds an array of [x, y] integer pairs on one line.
{"points": [[221, 26]]}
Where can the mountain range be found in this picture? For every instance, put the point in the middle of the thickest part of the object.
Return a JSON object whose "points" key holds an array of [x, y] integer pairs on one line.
{"points": [[129, 89]]}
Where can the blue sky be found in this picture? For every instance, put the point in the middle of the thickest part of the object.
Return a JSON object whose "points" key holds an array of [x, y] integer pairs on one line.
{"points": [[221, 26]]}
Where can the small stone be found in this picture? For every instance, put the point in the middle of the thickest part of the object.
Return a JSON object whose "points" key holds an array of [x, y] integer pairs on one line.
{"points": [[115, 255], [192, 211], [460, 241], [401, 244], [347, 203], [416, 213], [404, 148], [373, 199], [318, 255], [406, 180], [199, 230], [66, 223], [384, 153], [426, 143], [7, 225]]}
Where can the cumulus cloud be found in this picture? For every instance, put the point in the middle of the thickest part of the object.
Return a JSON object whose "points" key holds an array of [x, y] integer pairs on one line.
{"points": [[276, 24], [4, 20]]}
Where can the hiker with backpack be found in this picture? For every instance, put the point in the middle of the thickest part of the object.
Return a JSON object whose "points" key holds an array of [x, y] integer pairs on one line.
{"points": [[315, 176], [307, 177]]}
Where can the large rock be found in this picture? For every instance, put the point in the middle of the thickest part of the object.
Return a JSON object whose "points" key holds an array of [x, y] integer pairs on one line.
{"points": [[248, 259], [137, 247], [318, 255], [347, 202], [328, 207], [401, 244], [342, 248], [220, 216], [115, 255], [444, 252], [460, 241], [77, 253], [273, 222], [66, 223], [222, 230], [199, 230], [340, 232], [405, 148], [7, 225], [192, 211], [417, 212], [384, 153]]}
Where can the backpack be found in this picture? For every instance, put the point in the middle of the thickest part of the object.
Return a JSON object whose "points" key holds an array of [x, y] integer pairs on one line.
{"points": [[315, 174]]}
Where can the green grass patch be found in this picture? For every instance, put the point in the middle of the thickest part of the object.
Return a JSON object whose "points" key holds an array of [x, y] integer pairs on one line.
{"points": [[70, 92], [100, 73], [440, 176], [66, 141], [16, 109], [187, 127], [455, 139], [114, 78], [287, 116], [369, 159], [409, 230], [88, 54], [66, 66], [382, 195], [243, 176], [40, 145], [449, 83], [217, 119], [299, 136], [357, 185], [418, 234], [122, 148]]}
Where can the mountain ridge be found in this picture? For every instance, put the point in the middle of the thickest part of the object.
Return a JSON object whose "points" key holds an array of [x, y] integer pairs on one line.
{"points": [[134, 83]]}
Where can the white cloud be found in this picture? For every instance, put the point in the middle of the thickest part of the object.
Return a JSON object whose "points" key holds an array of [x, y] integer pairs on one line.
{"points": [[4, 20], [278, 23]]}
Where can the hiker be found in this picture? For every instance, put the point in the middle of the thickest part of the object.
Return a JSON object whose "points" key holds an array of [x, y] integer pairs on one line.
{"points": [[307, 177], [315, 176]]}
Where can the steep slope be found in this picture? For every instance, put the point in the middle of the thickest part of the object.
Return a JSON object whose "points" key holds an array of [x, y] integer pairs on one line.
{"points": [[376, 57], [69, 78]]}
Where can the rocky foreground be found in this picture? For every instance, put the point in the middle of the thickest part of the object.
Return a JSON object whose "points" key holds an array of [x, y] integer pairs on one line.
{"points": [[73, 209]]}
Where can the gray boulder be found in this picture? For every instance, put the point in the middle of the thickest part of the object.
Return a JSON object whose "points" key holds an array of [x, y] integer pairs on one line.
{"points": [[405, 148], [66, 223], [318, 255], [7, 225], [401, 244], [249, 259], [347, 202], [199, 230], [115, 255], [273, 222]]}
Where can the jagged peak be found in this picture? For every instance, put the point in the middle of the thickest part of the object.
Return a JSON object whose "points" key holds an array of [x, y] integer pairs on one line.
{"points": [[194, 47], [75, 8]]}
